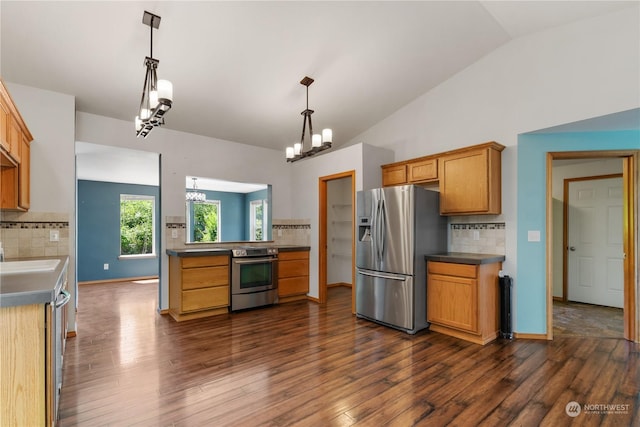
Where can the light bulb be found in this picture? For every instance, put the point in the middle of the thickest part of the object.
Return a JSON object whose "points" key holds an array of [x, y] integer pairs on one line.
{"points": [[327, 135]]}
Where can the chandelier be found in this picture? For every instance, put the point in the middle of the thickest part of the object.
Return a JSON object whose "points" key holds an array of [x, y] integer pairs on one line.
{"points": [[194, 195], [157, 95], [318, 142]]}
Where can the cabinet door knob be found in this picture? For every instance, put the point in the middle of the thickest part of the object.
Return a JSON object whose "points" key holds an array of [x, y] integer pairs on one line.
{"points": [[572, 248]]}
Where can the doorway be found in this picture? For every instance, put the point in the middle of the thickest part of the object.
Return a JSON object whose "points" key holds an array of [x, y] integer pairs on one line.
{"points": [[336, 233], [109, 181], [628, 238]]}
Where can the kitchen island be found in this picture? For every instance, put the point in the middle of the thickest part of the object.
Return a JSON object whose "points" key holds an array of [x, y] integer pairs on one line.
{"points": [[463, 295], [32, 341]]}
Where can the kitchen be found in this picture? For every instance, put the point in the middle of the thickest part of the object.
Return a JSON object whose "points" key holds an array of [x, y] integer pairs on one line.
{"points": [[52, 116]]}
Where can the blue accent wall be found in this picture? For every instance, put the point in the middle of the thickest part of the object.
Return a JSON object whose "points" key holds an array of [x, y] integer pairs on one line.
{"points": [[235, 213], [99, 232], [531, 303]]}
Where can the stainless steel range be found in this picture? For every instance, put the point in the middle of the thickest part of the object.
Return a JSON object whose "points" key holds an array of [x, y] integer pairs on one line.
{"points": [[254, 277]]}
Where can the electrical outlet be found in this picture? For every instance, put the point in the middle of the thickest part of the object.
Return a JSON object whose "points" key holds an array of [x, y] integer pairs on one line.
{"points": [[54, 235], [174, 234], [476, 235], [106, 266]]}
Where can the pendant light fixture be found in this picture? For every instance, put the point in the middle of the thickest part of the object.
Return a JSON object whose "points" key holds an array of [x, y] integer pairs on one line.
{"points": [[318, 142], [157, 95], [194, 195]]}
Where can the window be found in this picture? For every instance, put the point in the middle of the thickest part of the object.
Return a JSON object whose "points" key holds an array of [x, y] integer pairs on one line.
{"points": [[137, 225], [205, 218], [258, 214]]}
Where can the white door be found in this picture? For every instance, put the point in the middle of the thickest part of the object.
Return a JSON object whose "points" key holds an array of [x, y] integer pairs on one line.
{"points": [[595, 253]]}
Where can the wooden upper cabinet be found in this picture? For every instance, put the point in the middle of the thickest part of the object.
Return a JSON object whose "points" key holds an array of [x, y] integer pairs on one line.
{"points": [[470, 181], [5, 123], [15, 162], [394, 175], [423, 171]]}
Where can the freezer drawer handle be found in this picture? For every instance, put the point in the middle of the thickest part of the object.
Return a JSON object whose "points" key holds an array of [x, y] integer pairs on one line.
{"points": [[383, 276]]}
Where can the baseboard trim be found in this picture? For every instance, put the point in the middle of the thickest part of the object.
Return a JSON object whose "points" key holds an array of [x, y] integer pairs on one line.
{"points": [[530, 336], [123, 279], [334, 285]]}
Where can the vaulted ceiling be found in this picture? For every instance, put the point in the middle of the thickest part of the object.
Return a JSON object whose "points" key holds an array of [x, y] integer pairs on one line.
{"points": [[236, 65]]}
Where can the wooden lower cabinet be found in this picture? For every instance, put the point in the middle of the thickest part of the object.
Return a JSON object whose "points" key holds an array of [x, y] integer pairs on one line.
{"points": [[198, 286], [23, 366], [293, 275], [463, 300]]}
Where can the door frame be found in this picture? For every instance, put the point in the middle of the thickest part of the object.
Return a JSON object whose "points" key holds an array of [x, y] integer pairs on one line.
{"points": [[629, 233], [565, 225], [322, 234]]}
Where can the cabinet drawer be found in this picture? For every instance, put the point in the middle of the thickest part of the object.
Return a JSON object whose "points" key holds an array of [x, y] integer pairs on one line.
{"points": [[200, 299], [293, 268], [194, 278], [394, 175], [451, 269], [426, 170], [204, 261], [286, 256], [293, 286]]}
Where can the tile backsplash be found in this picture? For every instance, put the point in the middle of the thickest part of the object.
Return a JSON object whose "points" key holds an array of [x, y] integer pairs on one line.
{"points": [[284, 232], [28, 234], [477, 237]]}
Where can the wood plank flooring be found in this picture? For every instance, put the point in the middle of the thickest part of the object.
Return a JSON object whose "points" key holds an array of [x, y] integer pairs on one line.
{"points": [[306, 364]]}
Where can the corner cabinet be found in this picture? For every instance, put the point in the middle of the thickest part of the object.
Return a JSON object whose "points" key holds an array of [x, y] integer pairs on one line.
{"points": [[198, 286], [15, 158], [471, 181], [293, 275], [462, 300]]}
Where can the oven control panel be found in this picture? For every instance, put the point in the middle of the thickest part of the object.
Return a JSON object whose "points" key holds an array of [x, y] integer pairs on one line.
{"points": [[255, 251]]}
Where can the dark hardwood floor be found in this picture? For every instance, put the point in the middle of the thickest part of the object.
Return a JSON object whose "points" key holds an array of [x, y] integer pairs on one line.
{"points": [[317, 365]]}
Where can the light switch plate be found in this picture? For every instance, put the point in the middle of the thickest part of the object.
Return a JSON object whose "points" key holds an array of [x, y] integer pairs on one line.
{"points": [[533, 235], [54, 235]]}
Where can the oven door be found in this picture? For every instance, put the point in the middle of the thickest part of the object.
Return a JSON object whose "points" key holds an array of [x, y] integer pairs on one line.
{"points": [[250, 275]]}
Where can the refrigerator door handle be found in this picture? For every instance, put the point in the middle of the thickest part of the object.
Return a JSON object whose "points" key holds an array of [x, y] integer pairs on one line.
{"points": [[383, 227], [381, 275], [376, 237]]}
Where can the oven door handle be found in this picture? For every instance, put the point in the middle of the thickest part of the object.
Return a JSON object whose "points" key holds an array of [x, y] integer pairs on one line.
{"points": [[63, 298], [254, 260]]}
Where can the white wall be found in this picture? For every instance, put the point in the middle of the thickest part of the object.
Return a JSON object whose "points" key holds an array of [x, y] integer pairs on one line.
{"points": [[565, 74], [50, 118], [185, 154], [364, 160]]}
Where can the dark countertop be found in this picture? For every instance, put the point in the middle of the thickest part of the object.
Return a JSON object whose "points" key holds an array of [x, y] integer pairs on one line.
{"points": [[291, 248], [227, 251], [198, 252], [33, 287], [465, 258]]}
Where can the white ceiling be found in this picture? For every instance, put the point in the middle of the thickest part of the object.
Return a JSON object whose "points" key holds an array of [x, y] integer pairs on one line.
{"points": [[236, 66]]}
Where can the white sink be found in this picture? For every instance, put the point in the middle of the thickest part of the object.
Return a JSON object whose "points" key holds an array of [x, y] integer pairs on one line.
{"points": [[28, 266]]}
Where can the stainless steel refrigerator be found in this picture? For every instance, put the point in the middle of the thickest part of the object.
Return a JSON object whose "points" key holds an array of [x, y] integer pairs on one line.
{"points": [[397, 227]]}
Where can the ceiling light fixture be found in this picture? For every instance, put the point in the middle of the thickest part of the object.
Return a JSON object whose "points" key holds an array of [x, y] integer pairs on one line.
{"points": [[318, 142], [195, 195], [157, 95]]}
